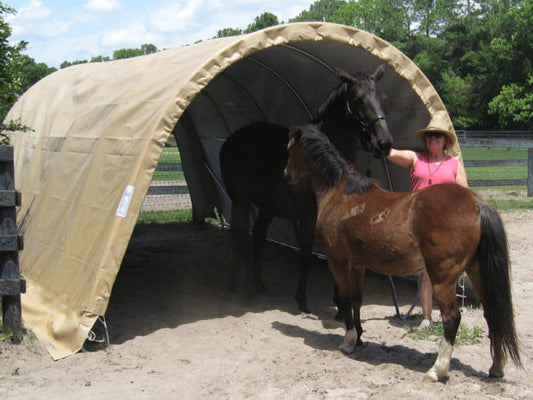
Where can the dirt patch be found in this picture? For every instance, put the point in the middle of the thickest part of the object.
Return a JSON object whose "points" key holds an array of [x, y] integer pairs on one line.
{"points": [[175, 333]]}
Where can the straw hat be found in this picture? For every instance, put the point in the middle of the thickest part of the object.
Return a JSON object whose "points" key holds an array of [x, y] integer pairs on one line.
{"points": [[422, 132]]}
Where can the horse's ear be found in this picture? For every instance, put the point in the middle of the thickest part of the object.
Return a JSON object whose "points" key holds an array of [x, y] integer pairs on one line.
{"points": [[378, 73], [345, 76]]}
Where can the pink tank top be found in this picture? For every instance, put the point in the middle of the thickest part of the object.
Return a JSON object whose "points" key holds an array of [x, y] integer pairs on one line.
{"points": [[425, 173]]}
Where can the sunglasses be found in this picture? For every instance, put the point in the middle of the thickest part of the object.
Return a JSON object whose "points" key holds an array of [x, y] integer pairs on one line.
{"points": [[434, 134]]}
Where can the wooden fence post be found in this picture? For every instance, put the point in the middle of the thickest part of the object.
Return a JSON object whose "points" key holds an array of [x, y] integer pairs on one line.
{"points": [[11, 283], [530, 171]]}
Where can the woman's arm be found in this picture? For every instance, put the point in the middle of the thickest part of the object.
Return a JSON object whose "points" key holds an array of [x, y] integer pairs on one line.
{"points": [[403, 158]]}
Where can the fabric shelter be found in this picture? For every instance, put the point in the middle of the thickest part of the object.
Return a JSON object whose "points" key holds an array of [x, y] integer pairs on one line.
{"points": [[100, 128]]}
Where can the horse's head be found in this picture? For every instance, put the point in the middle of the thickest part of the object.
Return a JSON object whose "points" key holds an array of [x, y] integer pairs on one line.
{"points": [[365, 104]]}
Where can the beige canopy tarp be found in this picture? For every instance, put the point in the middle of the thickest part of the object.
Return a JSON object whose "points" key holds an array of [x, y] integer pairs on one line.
{"points": [[100, 128]]}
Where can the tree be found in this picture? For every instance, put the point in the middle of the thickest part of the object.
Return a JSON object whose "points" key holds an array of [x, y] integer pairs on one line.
{"points": [[389, 19], [148, 49], [100, 59], [323, 10], [10, 60], [514, 105], [66, 64], [128, 53], [512, 52], [434, 15], [228, 32], [31, 72], [261, 22], [461, 98]]}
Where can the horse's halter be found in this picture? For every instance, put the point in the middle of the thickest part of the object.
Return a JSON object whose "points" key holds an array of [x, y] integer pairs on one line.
{"points": [[365, 125]]}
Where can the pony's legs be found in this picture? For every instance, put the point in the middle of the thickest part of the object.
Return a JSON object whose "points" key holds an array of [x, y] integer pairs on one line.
{"points": [[306, 236], [262, 222], [337, 302], [350, 296], [357, 300], [498, 363], [451, 317]]}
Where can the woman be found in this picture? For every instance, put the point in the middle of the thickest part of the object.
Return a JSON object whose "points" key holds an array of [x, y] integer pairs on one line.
{"points": [[431, 167]]}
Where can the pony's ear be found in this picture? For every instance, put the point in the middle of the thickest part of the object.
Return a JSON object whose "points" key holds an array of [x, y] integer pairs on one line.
{"points": [[294, 135], [378, 73], [345, 76]]}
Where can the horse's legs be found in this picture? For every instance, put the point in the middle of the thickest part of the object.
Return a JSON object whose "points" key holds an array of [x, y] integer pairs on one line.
{"points": [[239, 248], [306, 236], [262, 222], [445, 296]]}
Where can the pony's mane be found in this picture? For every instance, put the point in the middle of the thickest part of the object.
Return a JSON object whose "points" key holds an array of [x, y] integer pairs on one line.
{"points": [[329, 165]]}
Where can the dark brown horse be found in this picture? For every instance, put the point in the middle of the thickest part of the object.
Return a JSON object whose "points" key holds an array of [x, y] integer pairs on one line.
{"points": [[252, 161], [444, 229]]}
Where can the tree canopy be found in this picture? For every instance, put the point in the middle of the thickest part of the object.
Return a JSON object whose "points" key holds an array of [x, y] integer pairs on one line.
{"points": [[477, 53], [10, 59]]}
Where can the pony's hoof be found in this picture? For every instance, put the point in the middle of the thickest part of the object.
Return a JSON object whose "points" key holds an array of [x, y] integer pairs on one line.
{"points": [[346, 349], [431, 377], [349, 342], [496, 373]]}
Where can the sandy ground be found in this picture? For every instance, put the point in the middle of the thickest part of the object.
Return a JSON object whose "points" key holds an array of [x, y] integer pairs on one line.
{"points": [[176, 334]]}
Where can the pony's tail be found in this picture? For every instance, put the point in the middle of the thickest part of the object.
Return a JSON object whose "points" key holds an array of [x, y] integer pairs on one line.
{"points": [[493, 256]]}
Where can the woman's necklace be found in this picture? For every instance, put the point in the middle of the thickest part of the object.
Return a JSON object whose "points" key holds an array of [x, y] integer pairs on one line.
{"points": [[434, 172]]}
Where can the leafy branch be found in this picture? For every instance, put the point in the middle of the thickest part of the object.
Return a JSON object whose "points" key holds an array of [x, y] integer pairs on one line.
{"points": [[12, 126]]}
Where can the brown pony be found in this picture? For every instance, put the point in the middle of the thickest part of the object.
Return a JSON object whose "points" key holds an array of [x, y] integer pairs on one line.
{"points": [[444, 229]]}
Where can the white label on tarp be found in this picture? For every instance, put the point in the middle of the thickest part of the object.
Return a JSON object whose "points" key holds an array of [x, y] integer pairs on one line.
{"points": [[122, 209]]}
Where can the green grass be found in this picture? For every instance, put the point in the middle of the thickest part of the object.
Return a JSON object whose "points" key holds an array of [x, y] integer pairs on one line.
{"points": [[435, 332], [503, 198], [511, 205], [496, 172], [163, 217], [483, 153], [168, 175], [493, 153], [170, 155]]}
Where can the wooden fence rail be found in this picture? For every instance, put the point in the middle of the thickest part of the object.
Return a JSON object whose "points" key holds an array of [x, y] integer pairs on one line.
{"points": [[501, 143]]}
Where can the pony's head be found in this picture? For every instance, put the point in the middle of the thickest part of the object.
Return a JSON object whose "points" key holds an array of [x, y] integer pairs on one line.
{"points": [[312, 159], [314, 163]]}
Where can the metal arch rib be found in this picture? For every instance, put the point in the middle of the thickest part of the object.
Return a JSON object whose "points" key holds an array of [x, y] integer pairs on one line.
{"points": [[316, 59], [245, 91], [285, 82]]}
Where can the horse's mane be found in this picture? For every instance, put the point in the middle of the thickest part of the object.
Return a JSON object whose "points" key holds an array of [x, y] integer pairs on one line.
{"points": [[330, 103], [329, 165], [338, 94]]}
